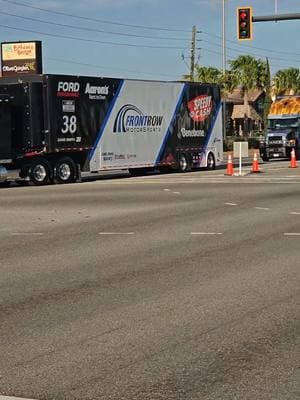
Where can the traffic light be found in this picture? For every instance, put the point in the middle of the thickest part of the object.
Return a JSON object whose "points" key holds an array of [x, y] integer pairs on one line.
{"points": [[244, 23]]}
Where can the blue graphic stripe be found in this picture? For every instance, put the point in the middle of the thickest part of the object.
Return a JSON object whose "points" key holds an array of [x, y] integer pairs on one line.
{"points": [[103, 126], [210, 131], [168, 133]]}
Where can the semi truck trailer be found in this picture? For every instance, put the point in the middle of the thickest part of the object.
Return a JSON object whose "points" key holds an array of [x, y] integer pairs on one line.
{"points": [[54, 127]]}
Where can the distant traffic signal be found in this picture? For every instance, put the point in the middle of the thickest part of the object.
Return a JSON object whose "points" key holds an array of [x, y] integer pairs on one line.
{"points": [[244, 23]]}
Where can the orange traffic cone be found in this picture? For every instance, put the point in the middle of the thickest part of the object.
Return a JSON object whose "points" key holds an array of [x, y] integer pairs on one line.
{"points": [[255, 167], [229, 170], [293, 163]]}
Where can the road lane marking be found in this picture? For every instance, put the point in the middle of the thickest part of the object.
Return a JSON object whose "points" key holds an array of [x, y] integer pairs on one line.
{"points": [[26, 233], [206, 233], [230, 204], [116, 233], [294, 213], [13, 398], [176, 192], [292, 234], [167, 190], [262, 208]]}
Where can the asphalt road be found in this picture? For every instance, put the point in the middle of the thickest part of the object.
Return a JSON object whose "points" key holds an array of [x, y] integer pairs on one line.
{"points": [[180, 286]]}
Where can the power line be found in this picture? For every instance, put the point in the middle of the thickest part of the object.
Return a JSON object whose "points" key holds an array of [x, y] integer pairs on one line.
{"points": [[91, 40], [253, 47], [90, 29], [18, 3], [109, 68], [219, 54], [238, 51]]}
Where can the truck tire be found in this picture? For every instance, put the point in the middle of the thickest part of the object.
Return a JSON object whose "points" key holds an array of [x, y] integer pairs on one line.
{"points": [[265, 158], [65, 171], [211, 163], [40, 172], [184, 164]]}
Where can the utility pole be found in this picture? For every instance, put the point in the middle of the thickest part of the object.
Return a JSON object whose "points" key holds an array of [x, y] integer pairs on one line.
{"points": [[193, 50]]}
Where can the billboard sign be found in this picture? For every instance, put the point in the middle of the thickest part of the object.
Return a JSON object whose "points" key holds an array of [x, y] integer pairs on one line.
{"points": [[21, 58]]}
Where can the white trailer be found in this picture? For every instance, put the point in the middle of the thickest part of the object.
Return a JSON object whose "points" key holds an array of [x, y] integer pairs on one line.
{"points": [[55, 126]]}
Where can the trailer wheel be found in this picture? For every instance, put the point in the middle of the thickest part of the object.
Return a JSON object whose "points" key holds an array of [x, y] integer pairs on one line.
{"points": [[65, 170], [39, 172], [211, 163], [184, 164]]}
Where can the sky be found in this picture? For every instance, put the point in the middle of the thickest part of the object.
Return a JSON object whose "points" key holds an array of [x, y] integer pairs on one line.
{"points": [[147, 39]]}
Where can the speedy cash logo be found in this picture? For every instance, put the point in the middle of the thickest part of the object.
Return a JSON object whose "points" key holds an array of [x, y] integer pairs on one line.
{"points": [[68, 89], [200, 107], [131, 119]]}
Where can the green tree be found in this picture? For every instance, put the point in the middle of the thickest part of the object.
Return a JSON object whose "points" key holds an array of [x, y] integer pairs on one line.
{"points": [[216, 76], [249, 73], [208, 74], [286, 82]]}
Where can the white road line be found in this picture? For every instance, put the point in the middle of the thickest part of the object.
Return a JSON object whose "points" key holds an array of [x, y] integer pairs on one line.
{"points": [[262, 208], [292, 234], [176, 192], [116, 233], [26, 234], [230, 204], [206, 233], [12, 398], [294, 213], [167, 190]]}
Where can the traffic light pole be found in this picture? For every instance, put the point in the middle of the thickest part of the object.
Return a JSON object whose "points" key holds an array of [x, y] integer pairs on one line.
{"points": [[276, 17], [224, 69]]}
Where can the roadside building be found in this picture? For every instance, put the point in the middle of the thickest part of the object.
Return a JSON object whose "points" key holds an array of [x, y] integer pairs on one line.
{"points": [[243, 120]]}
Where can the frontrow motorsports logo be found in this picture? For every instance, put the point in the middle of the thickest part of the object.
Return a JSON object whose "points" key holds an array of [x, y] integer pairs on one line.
{"points": [[200, 108], [132, 119]]}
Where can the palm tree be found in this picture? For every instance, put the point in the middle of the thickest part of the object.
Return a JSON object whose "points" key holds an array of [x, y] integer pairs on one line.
{"points": [[214, 75], [249, 73], [286, 82], [207, 74]]}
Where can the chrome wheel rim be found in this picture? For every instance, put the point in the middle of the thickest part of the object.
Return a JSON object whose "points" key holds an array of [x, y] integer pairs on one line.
{"points": [[39, 173], [210, 161], [183, 163], [64, 171]]}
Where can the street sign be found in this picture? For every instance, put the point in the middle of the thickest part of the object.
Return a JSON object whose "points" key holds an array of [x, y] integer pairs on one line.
{"points": [[240, 149]]}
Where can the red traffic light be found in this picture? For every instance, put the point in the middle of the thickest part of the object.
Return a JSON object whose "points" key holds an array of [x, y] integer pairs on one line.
{"points": [[244, 23]]}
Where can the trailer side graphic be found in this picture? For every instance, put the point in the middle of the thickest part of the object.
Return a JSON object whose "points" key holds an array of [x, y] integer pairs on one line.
{"points": [[55, 126]]}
